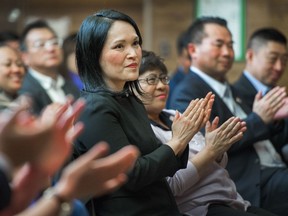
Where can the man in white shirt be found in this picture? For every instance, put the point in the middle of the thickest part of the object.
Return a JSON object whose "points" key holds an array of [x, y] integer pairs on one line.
{"points": [[42, 53], [254, 165]]}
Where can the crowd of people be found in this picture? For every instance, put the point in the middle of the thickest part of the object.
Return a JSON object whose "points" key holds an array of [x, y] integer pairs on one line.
{"points": [[89, 126]]}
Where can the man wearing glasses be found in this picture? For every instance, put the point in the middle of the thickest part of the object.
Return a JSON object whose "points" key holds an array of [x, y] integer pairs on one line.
{"points": [[42, 54]]}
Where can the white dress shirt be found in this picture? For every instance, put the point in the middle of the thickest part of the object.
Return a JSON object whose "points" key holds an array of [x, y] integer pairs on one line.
{"points": [[52, 87]]}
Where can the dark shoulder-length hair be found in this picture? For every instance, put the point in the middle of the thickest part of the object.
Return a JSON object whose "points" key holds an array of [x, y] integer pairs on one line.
{"points": [[90, 41]]}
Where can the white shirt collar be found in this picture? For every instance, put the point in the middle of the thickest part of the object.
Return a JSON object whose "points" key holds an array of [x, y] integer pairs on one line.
{"points": [[218, 87], [47, 82], [259, 86]]}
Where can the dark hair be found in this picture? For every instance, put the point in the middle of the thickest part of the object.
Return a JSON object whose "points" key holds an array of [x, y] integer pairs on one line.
{"points": [[262, 36], [90, 41], [150, 61], [196, 31], [8, 36], [69, 44], [38, 24], [182, 42]]}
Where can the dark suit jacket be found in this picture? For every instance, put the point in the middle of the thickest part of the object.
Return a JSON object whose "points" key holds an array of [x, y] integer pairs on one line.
{"points": [[5, 191], [246, 91], [243, 164], [120, 119], [38, 94]]}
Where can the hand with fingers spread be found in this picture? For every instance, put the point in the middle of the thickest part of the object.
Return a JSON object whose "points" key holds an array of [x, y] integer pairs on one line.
{"points": [[47, 143], [64, 132], [267, 106], [186, 125], [218, 140], [20, 133], [93, 174]]}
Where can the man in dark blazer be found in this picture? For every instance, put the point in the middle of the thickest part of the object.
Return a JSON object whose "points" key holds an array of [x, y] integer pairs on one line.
{"points": [[266, 60], [258, 171], [42, 54]]}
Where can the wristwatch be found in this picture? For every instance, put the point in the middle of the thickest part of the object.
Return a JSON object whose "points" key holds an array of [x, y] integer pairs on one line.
{"points": [[66, 207]]}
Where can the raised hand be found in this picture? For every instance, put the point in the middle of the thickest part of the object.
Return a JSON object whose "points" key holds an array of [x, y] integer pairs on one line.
{"points": [[219, 140], [64, 132], [21, 136], [93, 174], [45, 142], [209, 100], [267, 106], [186, 125]]}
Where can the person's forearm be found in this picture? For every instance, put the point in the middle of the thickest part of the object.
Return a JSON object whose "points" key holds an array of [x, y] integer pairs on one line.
{"points": [[202, 160]]}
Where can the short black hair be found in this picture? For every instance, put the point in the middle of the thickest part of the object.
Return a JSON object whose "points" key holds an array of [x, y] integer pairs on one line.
{"points": [[38, 24], [182, 42], [264, 35], [196, 31]]}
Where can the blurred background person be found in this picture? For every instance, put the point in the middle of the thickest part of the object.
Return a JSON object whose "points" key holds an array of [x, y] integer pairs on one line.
{"points": [[266, 61], [10, 38], [183, 64], [42, 54], [69, 68], [12, 72]]}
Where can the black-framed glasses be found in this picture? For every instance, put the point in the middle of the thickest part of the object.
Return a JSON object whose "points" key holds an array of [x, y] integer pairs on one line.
{"points": [[41, 44], [155, 80]]}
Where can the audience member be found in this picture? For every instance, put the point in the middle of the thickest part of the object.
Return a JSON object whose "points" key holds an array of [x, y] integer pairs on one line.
{"points": [[42, 53], [204, 187], [10, 38], [254, 165], [266, 60], [108, 54], [69, 69], [12, 72], [184, 62], [85, 177]]}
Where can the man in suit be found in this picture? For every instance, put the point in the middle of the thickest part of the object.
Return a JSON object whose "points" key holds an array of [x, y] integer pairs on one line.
{"points": [[42, 54], [184, 62], [258, 171], [266, 60]]}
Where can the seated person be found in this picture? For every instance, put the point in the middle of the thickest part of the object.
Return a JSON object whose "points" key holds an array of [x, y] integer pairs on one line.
{"points": [[10, 38], [204, 187], [12, 72]]}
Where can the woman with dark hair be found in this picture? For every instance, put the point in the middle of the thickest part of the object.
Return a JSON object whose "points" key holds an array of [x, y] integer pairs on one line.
{"points": [[108, 54], [204, 187]]}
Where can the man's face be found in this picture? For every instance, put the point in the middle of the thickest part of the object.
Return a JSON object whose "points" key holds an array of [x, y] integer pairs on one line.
{"points": [[214, 55], [268, 63], [43, 50]]}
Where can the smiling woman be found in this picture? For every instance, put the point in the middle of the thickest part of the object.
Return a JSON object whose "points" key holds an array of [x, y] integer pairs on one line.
{"points": [[12, 72]]}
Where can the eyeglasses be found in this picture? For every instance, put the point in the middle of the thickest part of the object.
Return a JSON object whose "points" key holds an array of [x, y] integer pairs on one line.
{"points": [[54, 42], [155, 80]]}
